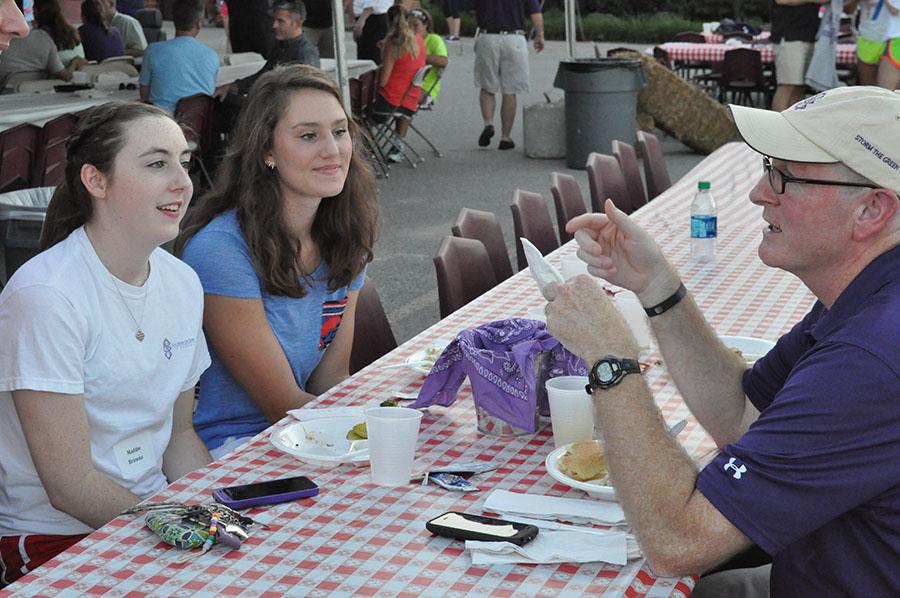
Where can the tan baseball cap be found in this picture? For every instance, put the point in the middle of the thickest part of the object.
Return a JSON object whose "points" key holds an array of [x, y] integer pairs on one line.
{"points": [[859, 126]]}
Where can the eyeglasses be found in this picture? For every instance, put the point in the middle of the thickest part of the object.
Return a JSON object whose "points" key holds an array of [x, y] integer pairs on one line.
{"points": [[778, 179]]}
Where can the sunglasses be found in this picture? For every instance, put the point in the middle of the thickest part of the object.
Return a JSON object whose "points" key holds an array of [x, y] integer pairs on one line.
{"points": [[778, 179], [419, 15]]}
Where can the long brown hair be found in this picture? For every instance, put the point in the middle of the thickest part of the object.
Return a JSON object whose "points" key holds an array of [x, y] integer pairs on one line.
{"points": [[400, 38], [98, 138], [93, 13], [345, 226], [48, 16]]}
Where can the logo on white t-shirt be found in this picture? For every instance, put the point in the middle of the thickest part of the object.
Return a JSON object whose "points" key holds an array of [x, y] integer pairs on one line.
{"points": [[739, 468], [169, 347]]}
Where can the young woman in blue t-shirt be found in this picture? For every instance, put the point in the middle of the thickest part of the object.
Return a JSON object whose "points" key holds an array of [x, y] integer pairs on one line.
{"points": [[280, 245]]}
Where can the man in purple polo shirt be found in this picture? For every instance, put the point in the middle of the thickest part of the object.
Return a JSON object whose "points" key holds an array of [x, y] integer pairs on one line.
{"points": [[501, 61], [809, 437]]}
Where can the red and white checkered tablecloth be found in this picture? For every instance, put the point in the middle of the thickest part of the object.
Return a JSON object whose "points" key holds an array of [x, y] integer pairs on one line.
{"points": [[715, 53], [718, 38], [355, 538]]}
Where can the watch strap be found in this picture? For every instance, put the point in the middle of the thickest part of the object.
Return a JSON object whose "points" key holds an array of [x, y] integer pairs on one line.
{"points": [[667, 303]]}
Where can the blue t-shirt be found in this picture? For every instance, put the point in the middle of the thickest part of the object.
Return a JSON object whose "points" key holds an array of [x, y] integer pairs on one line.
{"points": [[304, 327], [815, 481], [178, 68]]}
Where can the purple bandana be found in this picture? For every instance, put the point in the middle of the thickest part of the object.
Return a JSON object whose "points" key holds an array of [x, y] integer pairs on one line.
{"points": [[501, 360]]}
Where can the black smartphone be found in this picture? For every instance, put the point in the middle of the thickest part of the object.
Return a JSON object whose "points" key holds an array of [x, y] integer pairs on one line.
{"points": [[464, 526], [266, 493]]}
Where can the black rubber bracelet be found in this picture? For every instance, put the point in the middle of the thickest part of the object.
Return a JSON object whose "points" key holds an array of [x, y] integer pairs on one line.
{"points": [[668, 303]]}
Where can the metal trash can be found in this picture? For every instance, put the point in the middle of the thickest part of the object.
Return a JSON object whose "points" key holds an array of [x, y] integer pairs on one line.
{"points": [[601, 104], [21, 220]]}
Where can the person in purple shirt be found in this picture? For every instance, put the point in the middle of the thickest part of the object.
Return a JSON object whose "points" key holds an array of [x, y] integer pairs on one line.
{"points": [[808, 468], [99, 39], [501, 61]]}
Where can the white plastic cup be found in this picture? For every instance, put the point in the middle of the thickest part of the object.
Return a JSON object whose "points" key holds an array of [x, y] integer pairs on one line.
{"points": [[631, 309], [572, 266], [393, 433], [80, 78], [571, 409]]}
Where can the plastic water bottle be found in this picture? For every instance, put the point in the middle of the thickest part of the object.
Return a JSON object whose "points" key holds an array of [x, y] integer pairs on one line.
{"points": [[703, 224]]}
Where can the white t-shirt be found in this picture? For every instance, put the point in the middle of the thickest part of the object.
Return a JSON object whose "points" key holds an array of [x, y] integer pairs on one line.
{"points": [[66, 329], [379, 7]]}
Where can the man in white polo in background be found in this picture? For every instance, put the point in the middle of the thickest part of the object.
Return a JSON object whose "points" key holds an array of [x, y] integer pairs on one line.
{"points": [[129, 27], [808, 468], [501, 61]]}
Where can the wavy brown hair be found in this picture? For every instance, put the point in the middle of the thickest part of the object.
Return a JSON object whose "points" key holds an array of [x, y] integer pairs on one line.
{"points": [[97, 139], [48, 16], [400, 38], [345, 226]]}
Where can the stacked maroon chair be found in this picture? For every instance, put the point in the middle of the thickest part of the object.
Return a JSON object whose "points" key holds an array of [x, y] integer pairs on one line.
{"points": [[464, 272], [484, 226], [50, 158], [194, 114], [17, 149], [372, 334], [655, 171], [531, 220], [628, 162], [606, 181], [568, 202], [363, 90]]}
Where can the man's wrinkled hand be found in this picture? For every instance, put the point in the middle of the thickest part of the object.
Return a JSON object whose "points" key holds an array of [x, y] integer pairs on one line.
{"points": [[583, 318]]}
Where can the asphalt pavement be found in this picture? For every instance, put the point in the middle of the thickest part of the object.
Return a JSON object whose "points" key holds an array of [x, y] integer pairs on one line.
{"points": [[419, 205]]}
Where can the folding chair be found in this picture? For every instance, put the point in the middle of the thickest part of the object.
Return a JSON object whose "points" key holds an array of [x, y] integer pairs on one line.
{"points": [[384, 123], [425, 105], [627, 159], [463, 271], [372, 334], [568, 202], [655, 171], [484, 227], [359, 108], [606, 181], [531, 219]]}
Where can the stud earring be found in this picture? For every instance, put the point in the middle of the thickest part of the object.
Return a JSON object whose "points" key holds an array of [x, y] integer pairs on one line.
{"points": [[270, 164]]}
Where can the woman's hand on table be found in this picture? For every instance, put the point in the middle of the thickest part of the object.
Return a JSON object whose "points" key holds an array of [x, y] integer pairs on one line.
{"points": [[617, 249], [583, 318]]}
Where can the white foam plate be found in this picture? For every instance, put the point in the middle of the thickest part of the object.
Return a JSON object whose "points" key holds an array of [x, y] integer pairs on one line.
{"points": [[594, 489], [429, 353], [321, 441], [751, 348]]}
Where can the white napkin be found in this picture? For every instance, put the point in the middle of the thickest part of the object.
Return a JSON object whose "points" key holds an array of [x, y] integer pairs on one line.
{"points": [[306, 414], [541, 270], [540, 506], [554, 547]]}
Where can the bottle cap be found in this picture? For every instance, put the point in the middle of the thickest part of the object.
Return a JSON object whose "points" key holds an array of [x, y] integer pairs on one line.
{"points": [[703, 185]]}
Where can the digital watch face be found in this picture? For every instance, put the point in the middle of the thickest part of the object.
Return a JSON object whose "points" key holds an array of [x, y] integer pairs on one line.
{"points": [[604, 372]]}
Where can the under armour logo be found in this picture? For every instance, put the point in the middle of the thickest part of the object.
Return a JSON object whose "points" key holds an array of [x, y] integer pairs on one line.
{"points": [[738, 469]]}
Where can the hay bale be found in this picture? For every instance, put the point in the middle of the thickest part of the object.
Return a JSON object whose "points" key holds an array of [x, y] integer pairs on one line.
{"points": [[682, 109]]}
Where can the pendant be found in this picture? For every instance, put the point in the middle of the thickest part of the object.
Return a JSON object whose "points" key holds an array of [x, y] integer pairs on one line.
{"points": [[139, 335]]}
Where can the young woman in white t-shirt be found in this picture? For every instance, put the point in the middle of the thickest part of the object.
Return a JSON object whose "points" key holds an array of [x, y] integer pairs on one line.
{"points": [[102, 342]]}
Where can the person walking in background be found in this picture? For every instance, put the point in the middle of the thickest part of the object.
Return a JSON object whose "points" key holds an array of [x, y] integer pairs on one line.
{"points": [[370, 28], [794, 27], [318, 27], [179, 67], [501, 61], [451, 11], [100, 39], [281, 245], [129, 27], [435, 54], [48, 17]]}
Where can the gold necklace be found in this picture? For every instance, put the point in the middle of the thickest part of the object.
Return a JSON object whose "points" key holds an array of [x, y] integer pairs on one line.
{"points": [[139, 335]]}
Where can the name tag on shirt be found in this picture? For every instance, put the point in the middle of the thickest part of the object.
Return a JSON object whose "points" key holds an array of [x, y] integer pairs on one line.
{"points": [[135, 455]]}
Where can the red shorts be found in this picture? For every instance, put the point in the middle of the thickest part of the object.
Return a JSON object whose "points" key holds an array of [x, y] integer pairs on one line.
{"points": [[22, 554]]}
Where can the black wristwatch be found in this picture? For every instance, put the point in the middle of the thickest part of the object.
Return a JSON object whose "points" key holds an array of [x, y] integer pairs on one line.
{"points": [[609, 371]]}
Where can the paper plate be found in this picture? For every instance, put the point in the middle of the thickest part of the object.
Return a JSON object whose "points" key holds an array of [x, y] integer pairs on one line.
{"points": [[430, 353], [751, 348], [321, 441], [593, 489]]}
